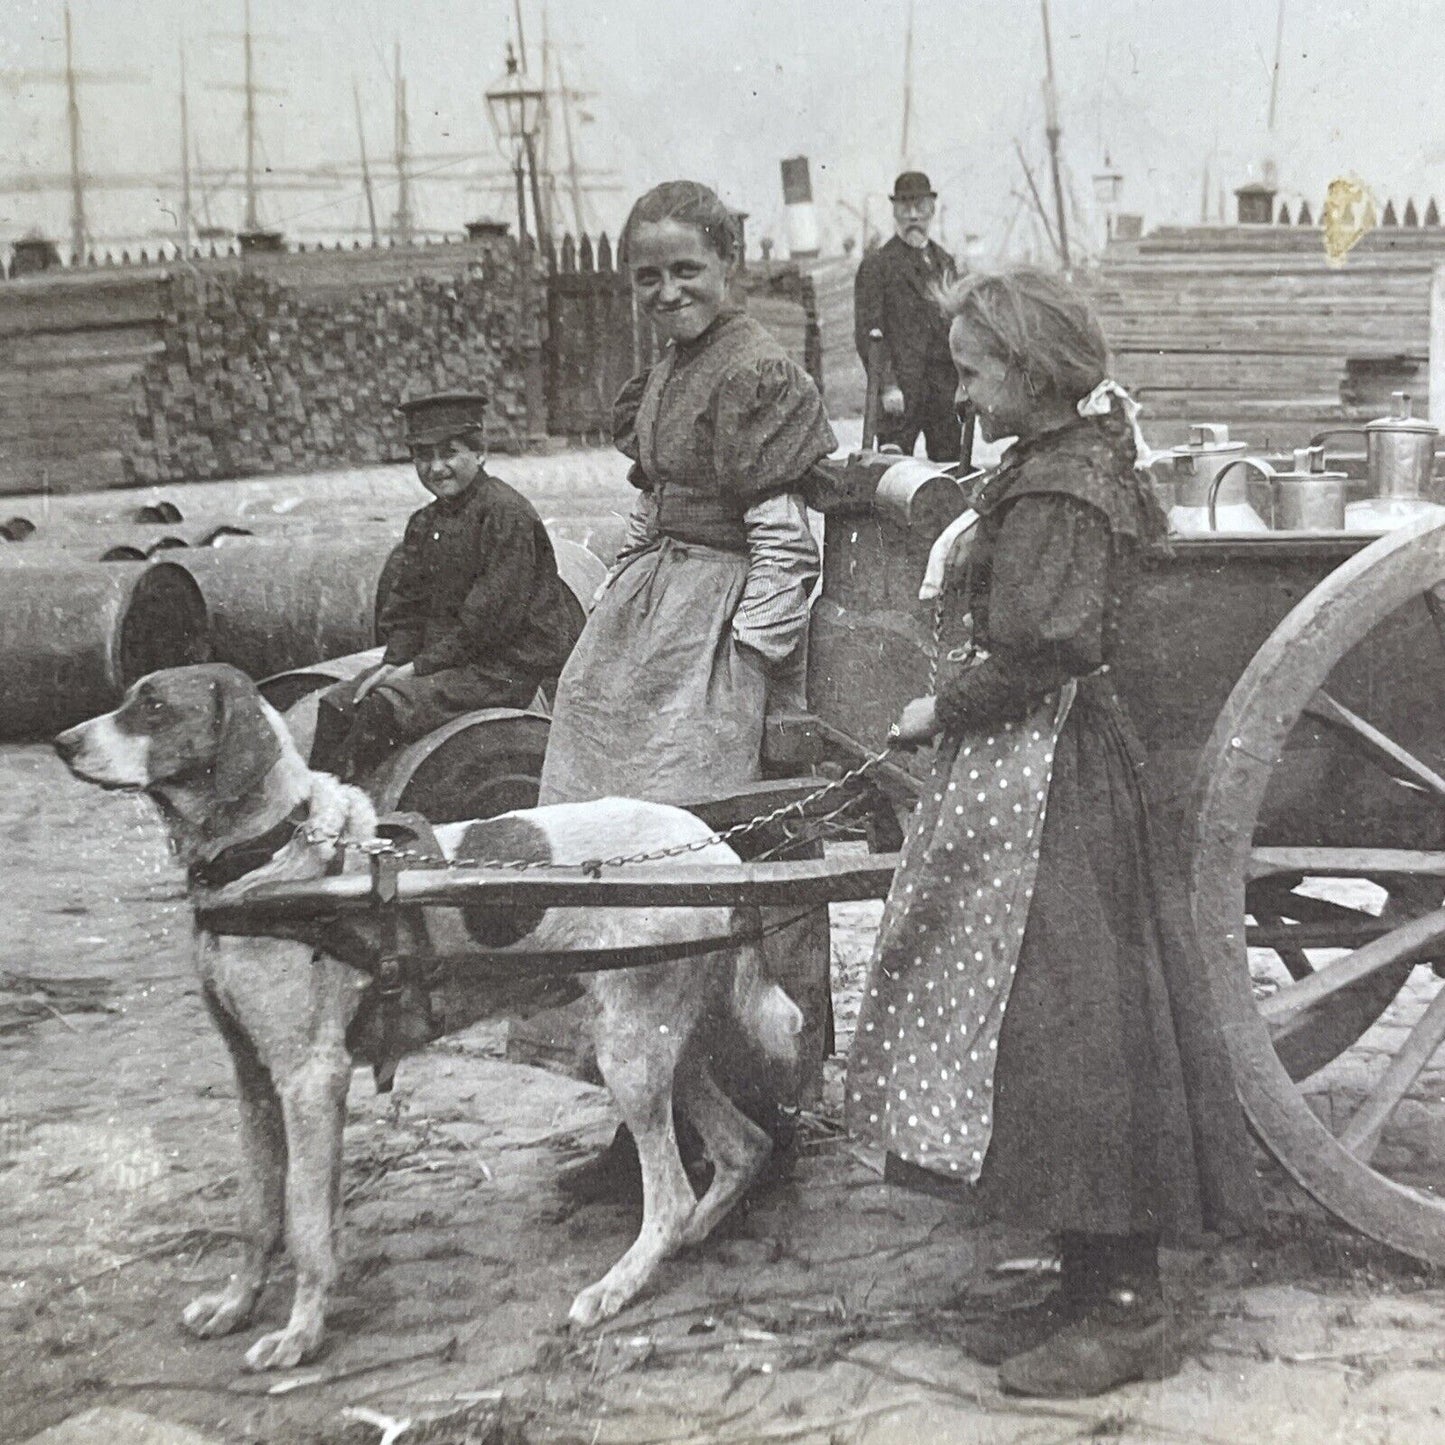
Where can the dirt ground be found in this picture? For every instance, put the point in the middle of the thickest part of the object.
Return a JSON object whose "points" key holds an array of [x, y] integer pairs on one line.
{"points": [[827, 1310]]}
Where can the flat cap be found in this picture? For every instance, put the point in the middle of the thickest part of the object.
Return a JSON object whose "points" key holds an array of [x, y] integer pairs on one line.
{"points": [[443, 415]]}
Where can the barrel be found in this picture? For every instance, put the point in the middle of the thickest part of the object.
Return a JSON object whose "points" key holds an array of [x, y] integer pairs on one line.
{"points": [[283, 604], [74, 636]]}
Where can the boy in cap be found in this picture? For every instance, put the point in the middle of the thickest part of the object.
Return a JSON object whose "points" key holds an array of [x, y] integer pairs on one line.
{"points": [[893, 294], [474, 613]]}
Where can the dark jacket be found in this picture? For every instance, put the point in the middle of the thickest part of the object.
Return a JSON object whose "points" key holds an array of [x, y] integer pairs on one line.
{"points": [[892, 292], [476, 582]]}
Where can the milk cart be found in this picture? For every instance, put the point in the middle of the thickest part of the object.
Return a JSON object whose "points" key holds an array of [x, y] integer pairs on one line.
{"points": [[1288, 689]]}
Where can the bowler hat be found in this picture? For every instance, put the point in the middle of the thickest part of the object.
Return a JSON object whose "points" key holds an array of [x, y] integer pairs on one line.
{"points": [[913, 186], [443, 415]]}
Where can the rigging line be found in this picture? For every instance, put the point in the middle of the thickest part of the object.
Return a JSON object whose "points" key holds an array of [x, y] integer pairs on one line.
{"points": [[412, 175]]}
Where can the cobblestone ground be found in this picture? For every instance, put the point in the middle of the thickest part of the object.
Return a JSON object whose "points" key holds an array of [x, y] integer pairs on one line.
{"points": [[827, 1310]]}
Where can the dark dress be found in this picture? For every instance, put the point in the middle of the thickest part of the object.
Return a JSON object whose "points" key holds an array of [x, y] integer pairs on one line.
{"points": [[706, 613], [1084, 1055]]}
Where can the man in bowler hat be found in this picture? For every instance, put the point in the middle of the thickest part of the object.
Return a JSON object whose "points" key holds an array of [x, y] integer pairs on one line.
{"points": [[892, 294], [473, 613]]}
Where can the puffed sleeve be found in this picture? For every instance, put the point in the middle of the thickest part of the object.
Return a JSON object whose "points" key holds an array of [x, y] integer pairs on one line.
{"points": [[1046, 607], [772, 614], [769, 428], [624, 427]]}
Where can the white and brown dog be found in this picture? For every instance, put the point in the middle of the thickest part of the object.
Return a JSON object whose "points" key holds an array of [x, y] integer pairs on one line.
{"points": [[242, 807]]}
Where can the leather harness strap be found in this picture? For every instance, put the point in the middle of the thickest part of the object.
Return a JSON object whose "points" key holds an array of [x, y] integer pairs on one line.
{"points": [[235, 862]]}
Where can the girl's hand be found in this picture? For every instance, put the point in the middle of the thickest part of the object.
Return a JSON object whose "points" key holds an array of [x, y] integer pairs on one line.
{"points": [[918, 724]]}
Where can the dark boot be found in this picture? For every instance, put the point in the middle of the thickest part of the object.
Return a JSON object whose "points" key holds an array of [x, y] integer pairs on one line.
{"points": [[1011, 1332], [1014, 1330], [1119, 1332], [372, 738]]}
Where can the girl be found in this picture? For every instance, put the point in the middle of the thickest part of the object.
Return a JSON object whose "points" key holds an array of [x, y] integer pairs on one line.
{"points": [[1034, 1027], [705, 613], [664, 696]]}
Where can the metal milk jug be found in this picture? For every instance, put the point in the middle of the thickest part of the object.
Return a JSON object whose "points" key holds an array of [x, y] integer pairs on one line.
{"points": [[1197, 466], [1309, 498], [1399, 466]]}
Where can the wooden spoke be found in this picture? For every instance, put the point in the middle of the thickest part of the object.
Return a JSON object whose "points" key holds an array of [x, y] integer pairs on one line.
{"points": [[1376, 745], [1278, 937], [1271, 931], [1345, 862], [1304, 907], [1435, 605], [1361, 1135], [1412, 941]]}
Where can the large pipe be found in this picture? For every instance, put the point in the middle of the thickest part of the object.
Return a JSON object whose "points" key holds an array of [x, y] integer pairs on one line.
{"points": [[76, 635], [277, 605]]}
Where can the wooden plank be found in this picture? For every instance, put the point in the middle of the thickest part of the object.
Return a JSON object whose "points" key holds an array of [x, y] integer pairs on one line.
{"points": [[1346, 862], [81, 301], [645, 885], [22, 475]]}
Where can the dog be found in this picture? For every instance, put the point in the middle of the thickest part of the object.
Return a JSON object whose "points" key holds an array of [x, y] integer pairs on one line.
{"points": [[242, 808]]}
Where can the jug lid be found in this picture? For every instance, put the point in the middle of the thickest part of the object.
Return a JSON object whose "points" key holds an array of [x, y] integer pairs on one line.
{"points": [[1310, 462], [1402, 419], [1209, 437]]}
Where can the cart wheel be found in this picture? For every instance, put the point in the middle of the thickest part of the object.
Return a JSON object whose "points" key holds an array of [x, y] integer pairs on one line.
{"points": [[475, 766], [1317, 877], [295, 694]]}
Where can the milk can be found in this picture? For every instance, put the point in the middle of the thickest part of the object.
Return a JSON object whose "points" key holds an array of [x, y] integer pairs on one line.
{"points": [[1399, 467], [1197, 466], [1309, 498]]}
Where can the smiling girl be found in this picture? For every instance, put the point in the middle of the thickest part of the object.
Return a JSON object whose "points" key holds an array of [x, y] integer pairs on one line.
{"points": [[707, 607]]}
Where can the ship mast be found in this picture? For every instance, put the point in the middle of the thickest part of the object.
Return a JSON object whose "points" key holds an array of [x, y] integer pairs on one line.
{"points": [[365, 168], [403, 221], [185, 221], [905, 140], [72, 115], [1051, 104], [252, 221]]}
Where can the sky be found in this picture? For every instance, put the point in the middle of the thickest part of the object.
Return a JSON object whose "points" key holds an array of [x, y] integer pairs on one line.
{"points": [[723, 90]]}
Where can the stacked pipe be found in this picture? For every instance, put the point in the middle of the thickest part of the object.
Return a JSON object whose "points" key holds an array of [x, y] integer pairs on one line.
{"points": [[77, 635]]}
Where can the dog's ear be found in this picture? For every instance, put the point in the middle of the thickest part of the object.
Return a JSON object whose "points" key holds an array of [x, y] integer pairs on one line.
{"points": [[246, 745]]}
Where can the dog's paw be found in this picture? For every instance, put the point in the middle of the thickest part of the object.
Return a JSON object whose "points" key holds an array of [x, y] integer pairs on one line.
{"points": [[209, 1316], [599, 1302], [284, 1349]]}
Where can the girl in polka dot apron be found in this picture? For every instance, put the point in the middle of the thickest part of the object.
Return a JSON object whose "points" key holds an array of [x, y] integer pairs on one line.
{"points": [[1037, 1031]]}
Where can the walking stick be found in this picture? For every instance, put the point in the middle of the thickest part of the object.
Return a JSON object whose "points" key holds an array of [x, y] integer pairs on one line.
{"points": [[873, 398]]}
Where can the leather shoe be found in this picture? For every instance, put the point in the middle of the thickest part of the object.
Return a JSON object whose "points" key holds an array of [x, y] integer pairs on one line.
{"points": [[1011, 1332], [1119, 1341]]}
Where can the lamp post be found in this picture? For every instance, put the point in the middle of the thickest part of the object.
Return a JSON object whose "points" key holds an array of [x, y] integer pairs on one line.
{"points": [[515, 109], [1108, 188]]}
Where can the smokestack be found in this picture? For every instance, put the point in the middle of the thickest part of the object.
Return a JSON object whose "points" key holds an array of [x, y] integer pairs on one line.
{"points": [[802, 214]]}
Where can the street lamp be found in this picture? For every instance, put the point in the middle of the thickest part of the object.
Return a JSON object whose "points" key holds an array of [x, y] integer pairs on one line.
{"points": [[1108, 189], [516, 109]]}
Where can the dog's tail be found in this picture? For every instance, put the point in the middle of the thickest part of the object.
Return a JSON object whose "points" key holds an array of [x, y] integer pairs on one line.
{"points": [[764, 1011]]}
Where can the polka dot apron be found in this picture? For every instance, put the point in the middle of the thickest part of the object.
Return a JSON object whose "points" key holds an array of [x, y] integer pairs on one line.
{"points": [[920, 1077]]}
